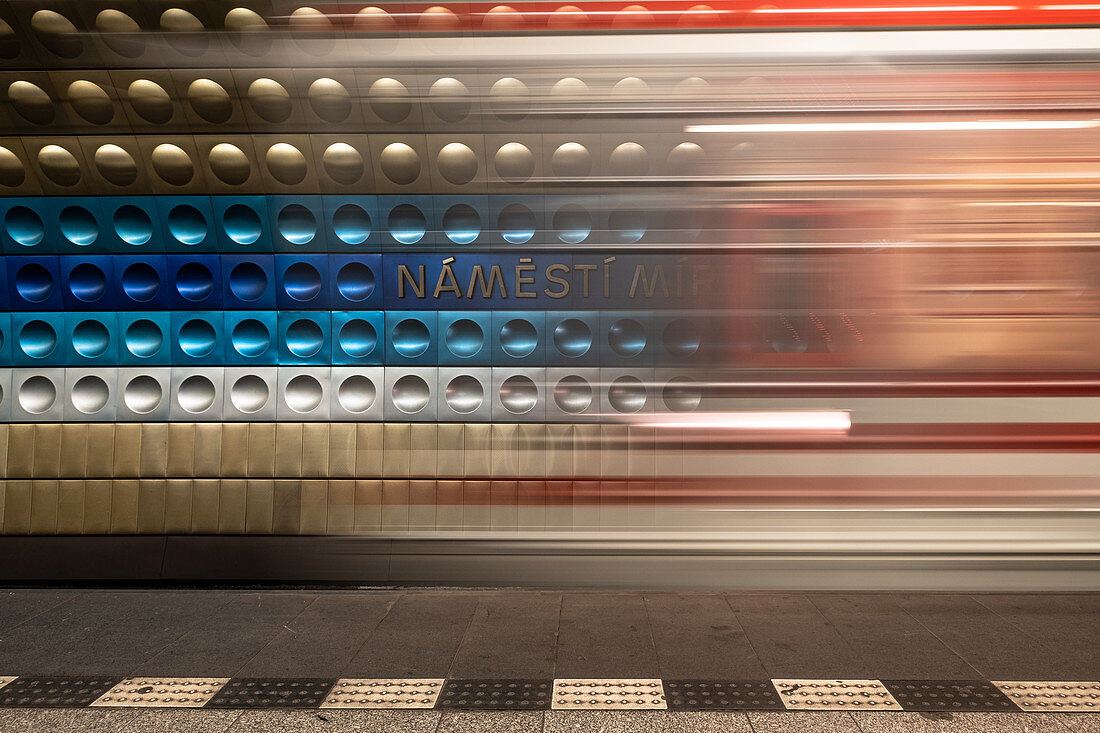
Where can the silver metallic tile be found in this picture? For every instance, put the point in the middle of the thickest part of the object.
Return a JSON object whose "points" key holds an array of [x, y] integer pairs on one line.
{"points": [[383, 693], [1053, 696], [607, 694], [162, 692], [835, 695]]}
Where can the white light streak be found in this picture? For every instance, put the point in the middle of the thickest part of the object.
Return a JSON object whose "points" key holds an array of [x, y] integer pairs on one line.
{"points": [[899, 9], [832, 420], [911, 126]]}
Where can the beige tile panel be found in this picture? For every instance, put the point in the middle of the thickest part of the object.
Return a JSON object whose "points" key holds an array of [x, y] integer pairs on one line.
{"points": [[315, 445], [70, 506], [47, 451], [233, 506], [97, 506], [44, 506]]}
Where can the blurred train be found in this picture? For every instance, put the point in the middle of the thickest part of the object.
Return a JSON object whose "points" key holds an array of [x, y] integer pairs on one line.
{"points": [[665, 295]]}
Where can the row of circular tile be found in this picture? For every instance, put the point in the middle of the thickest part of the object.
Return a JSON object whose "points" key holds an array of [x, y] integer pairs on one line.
{"points": [[361, 394], [363, 164], [348, 337]]}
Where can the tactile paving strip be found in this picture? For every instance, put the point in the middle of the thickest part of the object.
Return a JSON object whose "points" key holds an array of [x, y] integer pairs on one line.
{"points": [[1053, 696], [835, 695], [162, 692], [713, 695], [271, 693], [54, 692], [6, 680], [949, 695], [383, 694], [599, 694], [496, 694]]}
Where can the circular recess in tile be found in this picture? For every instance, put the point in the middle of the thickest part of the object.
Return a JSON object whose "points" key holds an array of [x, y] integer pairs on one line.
{"points": [[626, 337], [628, 225], [210, 101], [59, 165], [329, 100], [132, 225], [37, 394], [514, 163], [355, 281], [629, 87], [461, 224], [516, 223], [464, 338], [410, 338], [681, 337], [91, 339], [502, 18], [90, 102], [572, 94], [249, 393], [437, 19], [196, 394], [682, 394], [518, 394], [12, 173], [90, 394], [31, 102], [572, 338], [304, 338], [188, 225], [518, 338], [400, 163], [33, 283], [247, 281], [571, 160], [286, 164], [685, 158], [115, 164], [343, 163], [229, 164], [194, 282], [567, 17], [302, 282], [449, 99], [197, 338], [185, 32], [24, 226], [250, 338], [351, 224], [632, 16], [303, 393], [629, 160], [390, 100], [149, 99], [410, 394], [464, 394], [140, 282], [37, 339], [57, 33], [143, 338], [357, 338], [572, 223], [172, 164], [626, 394], [78, 225], [309, 24], [87, 283], [142, 394], [573, 394], [699, 15], [297, 224], [407, 224], [244, 20], [356, 393], [120, 33], [242, 224], [373, 20], [269, 100], [509, 98]]}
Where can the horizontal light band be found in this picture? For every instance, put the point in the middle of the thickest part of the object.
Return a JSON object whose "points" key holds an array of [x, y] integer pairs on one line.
{"points": [[779, 420], [900, 9], [914, 126]]}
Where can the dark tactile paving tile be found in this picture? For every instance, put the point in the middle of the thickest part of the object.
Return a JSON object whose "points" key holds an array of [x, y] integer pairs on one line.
{"points": [[714, 695], [511, 636], [254, 692], [697, 636], [948, 695], [54, 692], [496, 694], [605, 635]]}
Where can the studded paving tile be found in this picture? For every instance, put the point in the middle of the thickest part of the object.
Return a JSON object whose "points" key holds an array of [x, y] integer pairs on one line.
{"points": [[259, 692], [835, 695], [712, 695], [383, 694], [6, 680], [54, 692], [496, 694], [948, 695], [646, 694], [162, 692], [1058, 697]]}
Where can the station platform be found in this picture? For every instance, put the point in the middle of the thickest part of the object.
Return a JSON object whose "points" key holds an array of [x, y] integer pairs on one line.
{"points": [[455, 660]]}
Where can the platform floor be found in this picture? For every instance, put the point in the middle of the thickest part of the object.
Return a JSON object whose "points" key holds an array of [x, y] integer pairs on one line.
{"points": [[502, 660]]}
